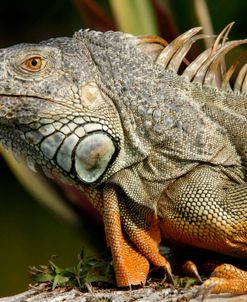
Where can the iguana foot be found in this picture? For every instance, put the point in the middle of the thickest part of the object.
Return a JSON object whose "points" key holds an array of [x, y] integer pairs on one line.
{"points": [[227, 278], [133, 247]]}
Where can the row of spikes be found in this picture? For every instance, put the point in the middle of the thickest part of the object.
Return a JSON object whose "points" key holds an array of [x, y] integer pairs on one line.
{"points": [[208, 68]]}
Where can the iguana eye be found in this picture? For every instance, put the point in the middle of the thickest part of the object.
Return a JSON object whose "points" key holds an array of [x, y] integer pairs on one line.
{"points": [[33, 64]]}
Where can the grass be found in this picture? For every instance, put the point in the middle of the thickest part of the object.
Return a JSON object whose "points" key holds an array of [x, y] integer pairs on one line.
{"points": [[89, 271]]}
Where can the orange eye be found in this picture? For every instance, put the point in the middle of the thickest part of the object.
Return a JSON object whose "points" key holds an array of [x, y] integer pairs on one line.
{"points": [[33, 64]]}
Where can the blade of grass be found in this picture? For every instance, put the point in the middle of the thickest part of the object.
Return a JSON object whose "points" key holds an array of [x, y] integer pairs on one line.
{"points": [[124, 15], [134, 16], [203, 16], [146, 17]]}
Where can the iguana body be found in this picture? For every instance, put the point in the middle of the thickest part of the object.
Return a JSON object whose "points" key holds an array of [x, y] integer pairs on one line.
{"points": [[157, 153]]}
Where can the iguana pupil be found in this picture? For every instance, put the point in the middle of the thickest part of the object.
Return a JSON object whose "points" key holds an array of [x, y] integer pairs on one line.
{"points": [[34, 62]]}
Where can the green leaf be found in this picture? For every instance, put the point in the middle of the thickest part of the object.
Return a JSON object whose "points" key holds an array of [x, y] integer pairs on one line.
{"points": [[55, 268], [188, 281], [43, 278], [59, 280]]}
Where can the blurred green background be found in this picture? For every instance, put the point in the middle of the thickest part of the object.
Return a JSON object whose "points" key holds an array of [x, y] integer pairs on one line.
{"points": [[29, 233]]}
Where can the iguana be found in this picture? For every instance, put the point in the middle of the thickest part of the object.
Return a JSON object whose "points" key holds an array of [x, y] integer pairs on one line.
{"points": [[159, 151]]}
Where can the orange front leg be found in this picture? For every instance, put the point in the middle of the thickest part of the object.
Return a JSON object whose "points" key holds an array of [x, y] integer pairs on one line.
{"points": [[133, 241], [131, 268]]}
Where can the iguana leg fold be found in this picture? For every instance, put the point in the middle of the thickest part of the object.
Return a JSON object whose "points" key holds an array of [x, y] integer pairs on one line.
{"points": [[227, 278], [133, 239]]}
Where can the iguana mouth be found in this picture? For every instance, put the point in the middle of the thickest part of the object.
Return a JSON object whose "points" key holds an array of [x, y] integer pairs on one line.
{"points": [[28, 96]]}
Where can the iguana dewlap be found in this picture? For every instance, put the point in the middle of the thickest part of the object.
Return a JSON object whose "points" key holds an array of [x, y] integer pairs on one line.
{"points": [[159, 154]]}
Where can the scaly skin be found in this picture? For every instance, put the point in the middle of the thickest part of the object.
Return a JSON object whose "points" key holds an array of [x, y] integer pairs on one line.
{"points": [[158, 154]]}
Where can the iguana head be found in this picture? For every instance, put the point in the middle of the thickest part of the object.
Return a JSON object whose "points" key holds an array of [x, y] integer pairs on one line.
{"points": [[52, 110]]}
